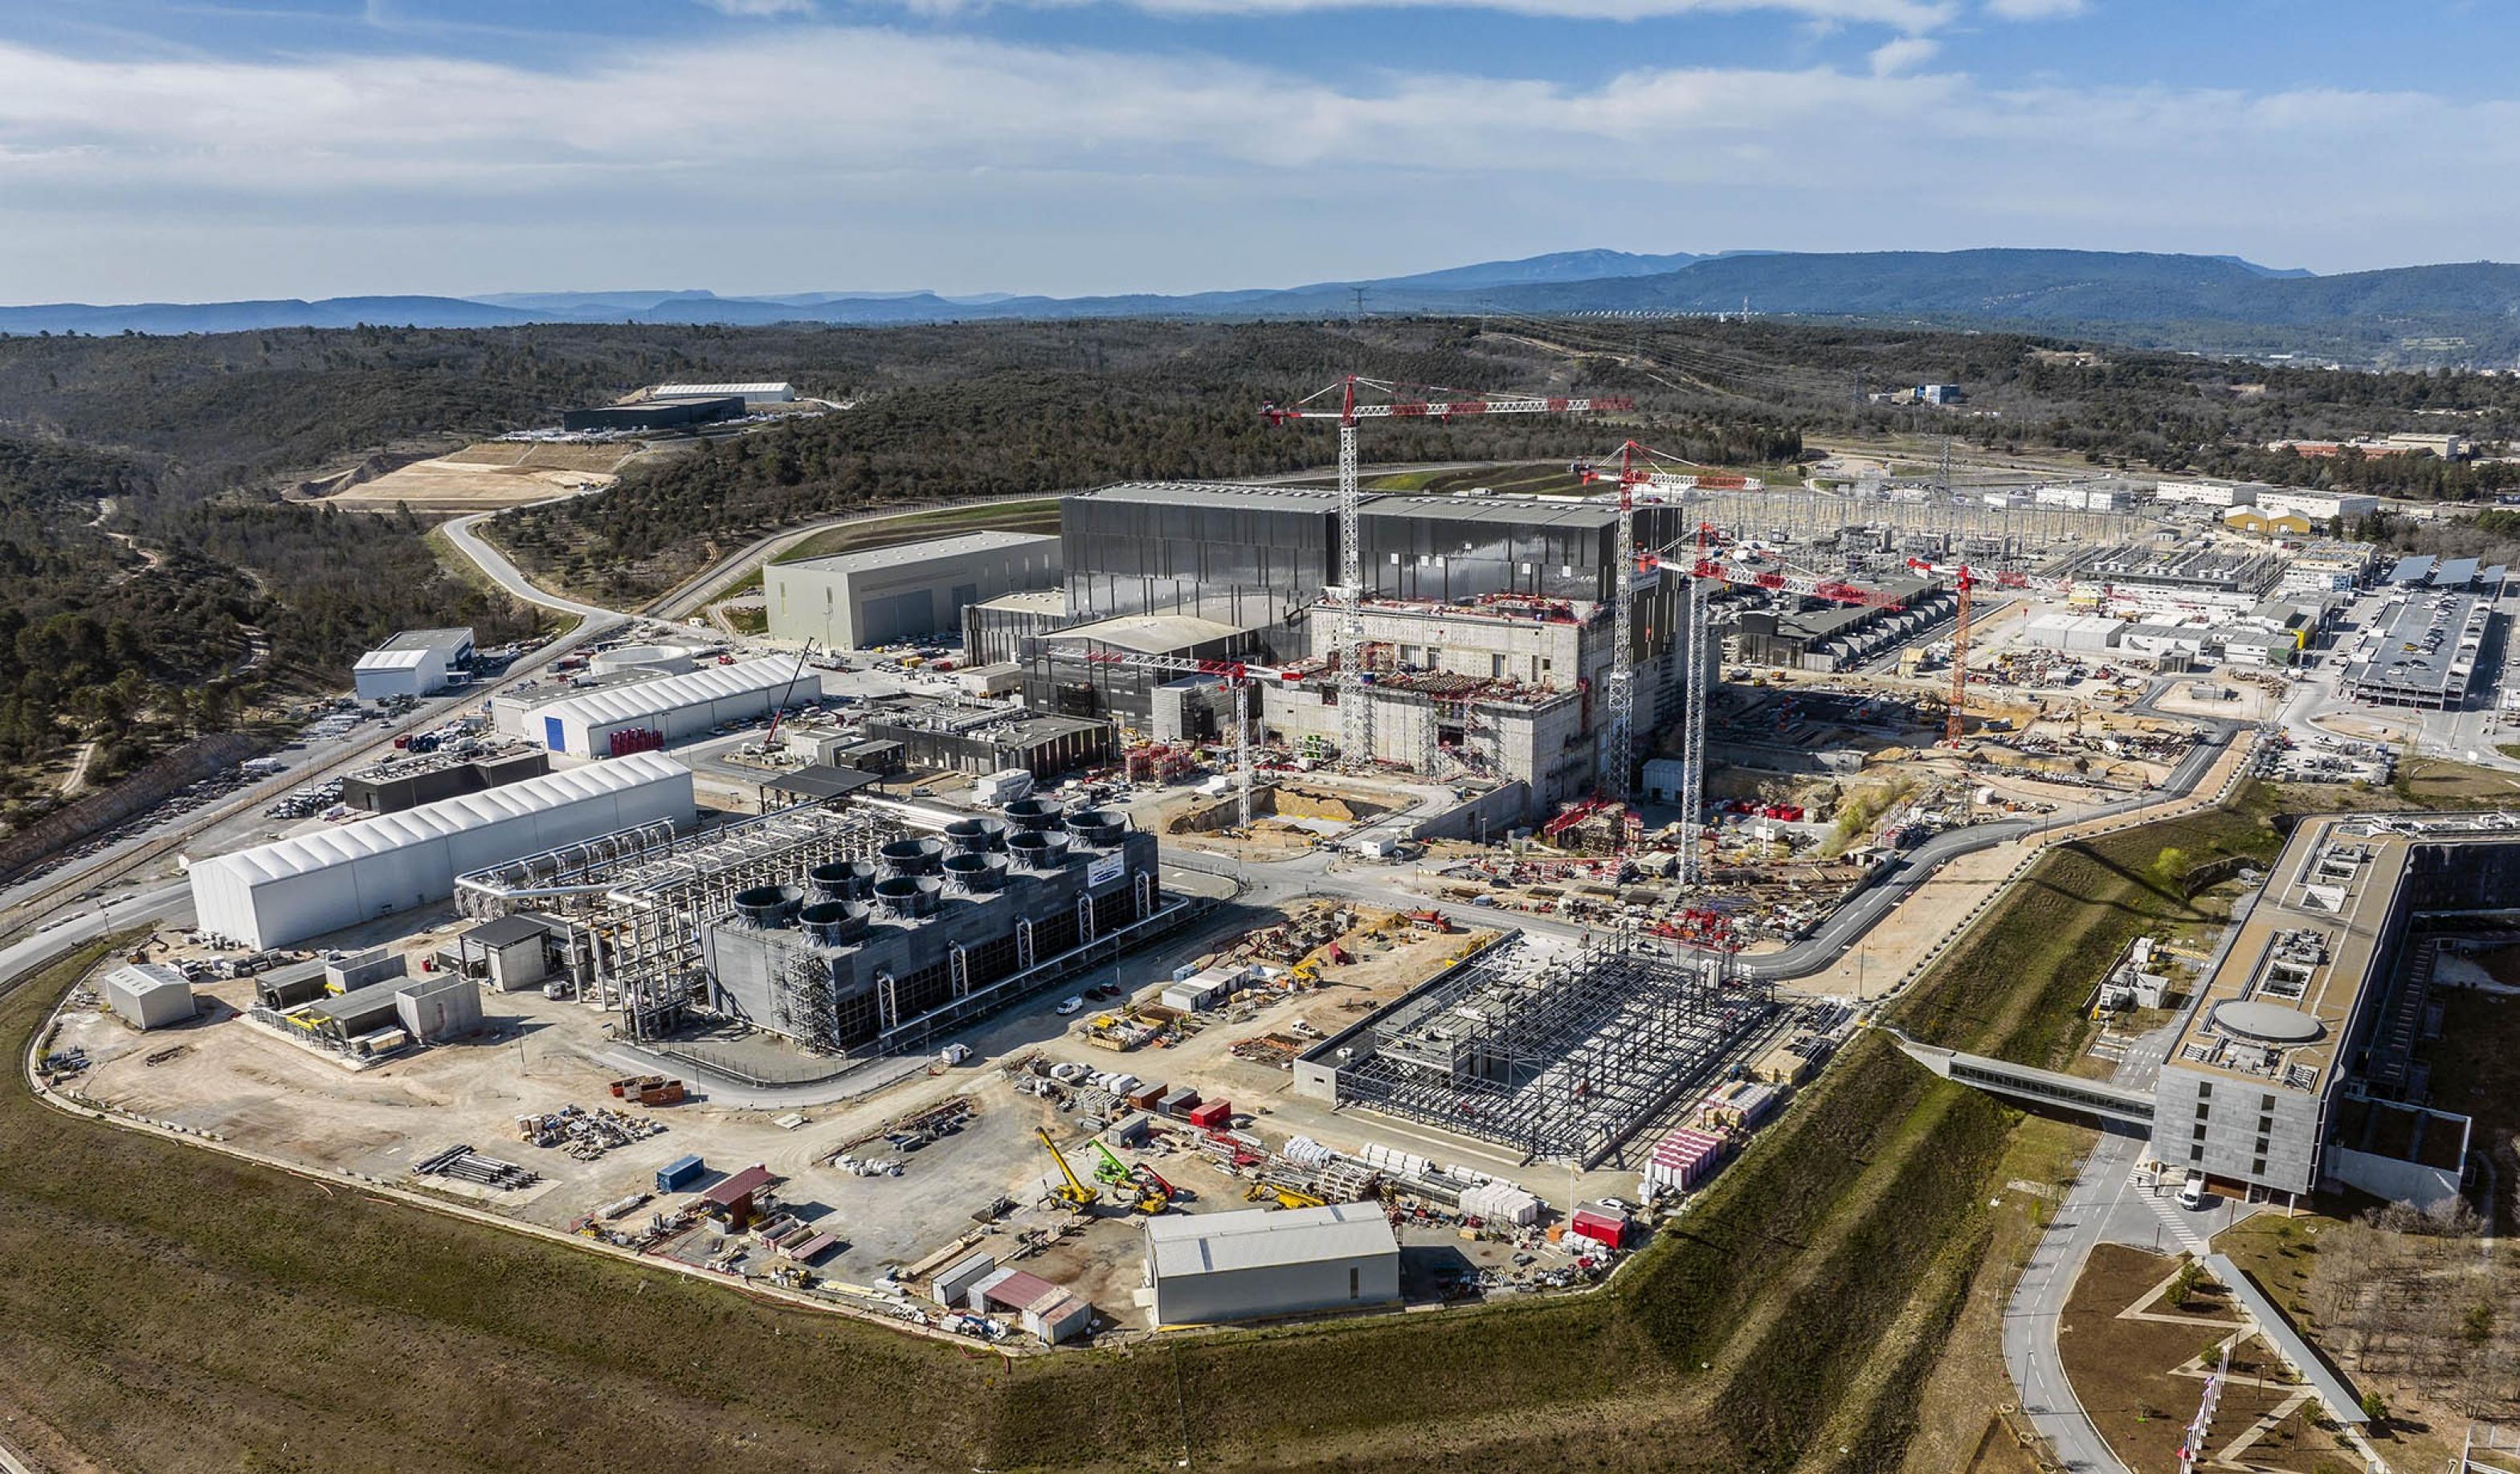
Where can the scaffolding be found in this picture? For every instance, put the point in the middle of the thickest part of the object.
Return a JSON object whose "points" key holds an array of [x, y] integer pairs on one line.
{"points": [[1565, 1060], [636, 902]]}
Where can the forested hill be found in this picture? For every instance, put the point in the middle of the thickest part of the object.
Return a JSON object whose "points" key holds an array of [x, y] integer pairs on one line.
{"points": [[2410, 314]]}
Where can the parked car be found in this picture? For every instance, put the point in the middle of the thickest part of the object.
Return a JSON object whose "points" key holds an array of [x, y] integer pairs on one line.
{"points": [[1071, 1005]]}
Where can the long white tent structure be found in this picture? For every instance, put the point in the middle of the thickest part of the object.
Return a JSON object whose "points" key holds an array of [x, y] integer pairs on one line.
{"points": [[277, 893], [674, 708]]}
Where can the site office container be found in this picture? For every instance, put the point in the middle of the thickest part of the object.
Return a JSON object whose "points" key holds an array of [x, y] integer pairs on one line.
{"points": [[1598, 1225], [1211, 1115]]}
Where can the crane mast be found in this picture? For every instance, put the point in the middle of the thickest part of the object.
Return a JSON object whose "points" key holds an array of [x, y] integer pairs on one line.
{"points": [[1356, 714]]}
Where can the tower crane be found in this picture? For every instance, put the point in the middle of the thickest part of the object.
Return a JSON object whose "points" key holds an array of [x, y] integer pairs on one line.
{"points": [[1965, 581], [1389, 401], [1704, 567], [1238, 675], [1640, 466]]}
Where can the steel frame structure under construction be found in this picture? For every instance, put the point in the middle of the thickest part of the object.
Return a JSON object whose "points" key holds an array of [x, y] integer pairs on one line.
{"points": [[1564, 1059], [635, 902]]}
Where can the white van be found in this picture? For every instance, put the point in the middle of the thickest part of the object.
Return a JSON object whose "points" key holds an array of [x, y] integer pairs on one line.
{"points": [[2192, 1195]]}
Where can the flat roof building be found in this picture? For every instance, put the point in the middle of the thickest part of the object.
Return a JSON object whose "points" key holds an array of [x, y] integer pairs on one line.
{"points": [[413, 663], [1249, 1264], [654, 415], [2423, 650], [750, 393], [2312, 1007], [852, 600], [645, 715]]}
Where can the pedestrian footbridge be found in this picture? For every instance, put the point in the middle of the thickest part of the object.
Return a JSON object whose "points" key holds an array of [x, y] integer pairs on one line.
{"points": [[2003, 1077]]}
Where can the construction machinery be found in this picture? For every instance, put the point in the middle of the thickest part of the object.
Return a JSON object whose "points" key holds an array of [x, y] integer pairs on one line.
{"points": [[1397, 402], [1072, 1193], [1965, 581], [1151, 1195], [1287, 1198]]}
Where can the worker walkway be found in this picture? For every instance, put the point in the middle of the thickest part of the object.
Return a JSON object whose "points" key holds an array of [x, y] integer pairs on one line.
{"points": [[2342, 1405], [2003, 1077]]}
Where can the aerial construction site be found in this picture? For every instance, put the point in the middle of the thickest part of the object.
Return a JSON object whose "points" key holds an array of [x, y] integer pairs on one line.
{"points": [[1400, 897]]}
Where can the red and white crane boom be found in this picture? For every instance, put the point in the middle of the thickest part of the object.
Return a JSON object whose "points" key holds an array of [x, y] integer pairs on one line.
{"points": [[1383, 399]]}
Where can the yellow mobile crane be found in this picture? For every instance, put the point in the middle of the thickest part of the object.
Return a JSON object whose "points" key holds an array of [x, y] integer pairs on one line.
{"points": [[1074, 1194]]}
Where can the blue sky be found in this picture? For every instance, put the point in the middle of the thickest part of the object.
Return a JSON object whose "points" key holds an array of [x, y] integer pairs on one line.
{"points": [[304, 147]]}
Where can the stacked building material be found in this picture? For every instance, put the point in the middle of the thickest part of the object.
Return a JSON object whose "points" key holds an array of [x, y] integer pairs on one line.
{"points": [[1684, 1160]]}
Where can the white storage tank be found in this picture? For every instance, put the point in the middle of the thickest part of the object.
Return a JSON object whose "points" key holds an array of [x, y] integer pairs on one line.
{"points": [[148, 995]]}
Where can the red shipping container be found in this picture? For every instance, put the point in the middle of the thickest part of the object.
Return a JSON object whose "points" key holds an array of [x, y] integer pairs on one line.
{"points": [[1600, 1228], [1211, 1115]]}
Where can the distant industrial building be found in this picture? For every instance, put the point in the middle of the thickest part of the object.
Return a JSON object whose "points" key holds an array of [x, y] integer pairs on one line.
{"points": [[2186, 579], [852, 601], [2220, 494], [148, 995], [414, 663], [406, 783], [2320, 506], [750, 393], [1252, 1264], [647, 715], [1821, 636], [994, 630], [2422, 650], [2325, 565], [273, 894], [653, 415], [962, 737]]}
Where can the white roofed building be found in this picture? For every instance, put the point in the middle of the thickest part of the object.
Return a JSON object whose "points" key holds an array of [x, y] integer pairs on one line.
{"points": [[414, 663], [670, 710], [302, 887], [752, 393], [1254, 1262]]}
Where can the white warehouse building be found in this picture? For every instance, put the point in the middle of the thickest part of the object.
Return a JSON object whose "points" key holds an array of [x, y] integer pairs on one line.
{"points": [[750, 393], [670, 710], [852, 601], [414, 663], [277, 893], [1253, 1263]]}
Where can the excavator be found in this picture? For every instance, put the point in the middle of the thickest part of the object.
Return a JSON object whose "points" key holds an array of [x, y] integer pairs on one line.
{"points": [[1152, 1194], [1074, 1193]]}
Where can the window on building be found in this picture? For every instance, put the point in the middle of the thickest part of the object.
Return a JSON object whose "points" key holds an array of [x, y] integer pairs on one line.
{"points": [[2204, 1112], [2266, 1102], [2199, 1133], [2266, 1124], [1496, 667], [2196, 1153], [2205, 1092], [1354, 1291], [2258, 1168], [2262, 1146]]}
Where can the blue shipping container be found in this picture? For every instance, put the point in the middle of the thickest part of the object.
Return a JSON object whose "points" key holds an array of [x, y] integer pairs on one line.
{"points": [[679, 1173]]}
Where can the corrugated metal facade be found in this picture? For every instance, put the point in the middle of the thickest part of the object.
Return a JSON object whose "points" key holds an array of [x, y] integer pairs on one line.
{"points": [[274, 894]]}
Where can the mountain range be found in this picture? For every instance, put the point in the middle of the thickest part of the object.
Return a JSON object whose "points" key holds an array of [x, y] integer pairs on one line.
{"points": [[2058, 291]]}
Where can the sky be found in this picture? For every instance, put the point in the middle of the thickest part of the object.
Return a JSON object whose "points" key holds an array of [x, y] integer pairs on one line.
{"points": [[212, 150]]}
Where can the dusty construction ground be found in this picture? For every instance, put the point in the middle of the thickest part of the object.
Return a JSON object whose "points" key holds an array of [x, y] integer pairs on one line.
{"points": [[237, 1081], [490, 476]]}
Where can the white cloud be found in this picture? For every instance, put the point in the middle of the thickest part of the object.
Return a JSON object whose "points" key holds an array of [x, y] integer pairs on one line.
{"points": [[761, 8], [2034, 9], [1906, 53], [828, 156]]}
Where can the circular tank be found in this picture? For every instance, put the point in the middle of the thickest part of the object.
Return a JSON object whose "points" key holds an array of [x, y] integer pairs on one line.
{"points": [[834, 923], [1099, 829], [1036, 851], [975, 873], [911, 857], [844, 880], [1031, 814], [665, 659], [906, 897], [768, 907], [974, 836]]}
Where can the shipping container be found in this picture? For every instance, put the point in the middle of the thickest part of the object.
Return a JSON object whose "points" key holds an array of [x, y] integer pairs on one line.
{"points": [[679, 1173], [1211, 1115]]}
